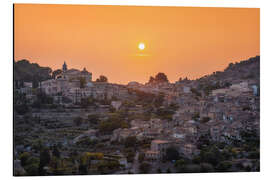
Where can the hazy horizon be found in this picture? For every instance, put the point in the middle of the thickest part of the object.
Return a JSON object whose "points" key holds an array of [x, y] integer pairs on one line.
{"points": [[179, 41], [148, 77]]}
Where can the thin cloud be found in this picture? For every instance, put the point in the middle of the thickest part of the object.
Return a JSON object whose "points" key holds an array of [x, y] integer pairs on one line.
{"points": [[142, 55]]}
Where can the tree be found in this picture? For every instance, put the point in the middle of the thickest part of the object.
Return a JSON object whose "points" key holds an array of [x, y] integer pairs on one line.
{"points": [[78, 121], [172, 154], [196, 116], [102, 78], [44, 159], [82, 169], [82, 82], [54, 163], [42, 98], [151, 79], [205, 119], [144, 168], [159, 100], [56, 152], [141, 157], [93, 118], [85, 102], [24, 71], [115, 121], [224, 166], [32, 160], [38, 145], [85, 161], [211, 155], [130, 141], [32, 169], [161, 77], [24, 157], [192, 168], [206, 167], [204, 140], [86, 141], [194, 91], [56, 72], [21, 109], [35, 81], [180, 164], [230, 65], [31, 166], [130, 156], [105, 166], [165, 113], [196, 159]]}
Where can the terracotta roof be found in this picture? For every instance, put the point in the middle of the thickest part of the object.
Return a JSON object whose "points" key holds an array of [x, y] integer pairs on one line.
{"points": [[160, 141]]}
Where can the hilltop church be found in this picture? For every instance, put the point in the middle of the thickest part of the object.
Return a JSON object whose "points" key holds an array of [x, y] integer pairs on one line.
{"points": [[74, 74], [69, 78], [69, 84]]}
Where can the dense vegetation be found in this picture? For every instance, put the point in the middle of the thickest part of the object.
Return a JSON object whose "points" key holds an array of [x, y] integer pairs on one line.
{"points": [[24, 71]]}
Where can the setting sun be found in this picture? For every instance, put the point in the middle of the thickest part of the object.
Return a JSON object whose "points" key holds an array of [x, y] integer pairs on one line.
{"points": [[141, 46]]}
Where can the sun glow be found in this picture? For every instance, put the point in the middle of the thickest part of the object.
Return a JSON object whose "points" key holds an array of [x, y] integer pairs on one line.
{"points": [[141, 46]]}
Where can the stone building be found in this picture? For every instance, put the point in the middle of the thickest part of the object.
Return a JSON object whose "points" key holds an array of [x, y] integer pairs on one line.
{"points": [[158, 149]]}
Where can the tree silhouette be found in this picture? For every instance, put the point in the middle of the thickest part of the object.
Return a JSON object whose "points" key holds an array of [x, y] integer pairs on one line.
{"points": [[102, 78]]}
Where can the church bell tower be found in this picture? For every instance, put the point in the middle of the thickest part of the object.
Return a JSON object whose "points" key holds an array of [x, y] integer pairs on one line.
{"points": [[64, 68]]}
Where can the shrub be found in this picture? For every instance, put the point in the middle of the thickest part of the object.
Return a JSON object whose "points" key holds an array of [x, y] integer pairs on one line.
{"points": [[192, 168], [32, 169], [172, 154], [144, 168], [205, 119], [141, 157], [224, 166], [24, 157], [206, 167]]}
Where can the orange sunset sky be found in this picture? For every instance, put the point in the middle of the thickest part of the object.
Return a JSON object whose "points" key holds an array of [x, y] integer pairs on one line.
{"points": [[179, 41]]}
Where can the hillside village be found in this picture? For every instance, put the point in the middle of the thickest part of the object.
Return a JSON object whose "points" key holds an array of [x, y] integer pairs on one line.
{"points": [[66, 123]]}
